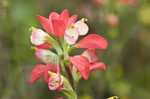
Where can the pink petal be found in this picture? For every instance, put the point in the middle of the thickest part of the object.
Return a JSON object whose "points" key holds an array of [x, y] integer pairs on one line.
{"points": [[49, 67], [65, 16], [53, 82], [93, 41], [97, 66], [82, 64], [59, 28], [37, 73], [72, 20], [46, 45], [91, 54], [45, 23], [71, 36]]}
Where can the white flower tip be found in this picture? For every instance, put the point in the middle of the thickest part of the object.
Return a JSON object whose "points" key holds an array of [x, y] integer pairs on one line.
{"points": [[37, 36], [71, 35], [82, 27]]}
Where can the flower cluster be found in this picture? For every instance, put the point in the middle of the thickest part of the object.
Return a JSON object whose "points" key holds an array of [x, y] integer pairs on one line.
{"points": [[54, 46]]}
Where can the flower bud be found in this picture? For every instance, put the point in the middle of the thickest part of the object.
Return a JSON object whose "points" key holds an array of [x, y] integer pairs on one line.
{"points": [[112, 20], [71, 35], [53, 83], [82, 27], [38, 36]]}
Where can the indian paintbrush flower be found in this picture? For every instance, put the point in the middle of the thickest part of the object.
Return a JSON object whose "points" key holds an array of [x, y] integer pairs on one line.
{"points": [[53, 47]]}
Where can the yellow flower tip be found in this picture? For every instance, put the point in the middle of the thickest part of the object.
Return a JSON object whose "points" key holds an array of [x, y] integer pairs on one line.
{"points": [[113, 97], [51, 73], [33, 28], [72, 26], [34, 48], [84, 19]]}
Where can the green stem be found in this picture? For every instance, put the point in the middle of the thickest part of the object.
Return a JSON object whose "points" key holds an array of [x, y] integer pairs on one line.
{"points": [[55, 44]]}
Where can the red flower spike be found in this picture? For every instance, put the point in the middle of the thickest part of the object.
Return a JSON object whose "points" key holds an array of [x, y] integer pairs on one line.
{"points": [[58, 27], [97, 66], [72, 20], [46, 45], [93, 41], [82, 64], [91, 54], [45, 23], [37, 73]]}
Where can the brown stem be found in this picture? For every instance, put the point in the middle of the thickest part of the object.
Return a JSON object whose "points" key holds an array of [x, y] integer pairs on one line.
{"points": [[70, 78]]}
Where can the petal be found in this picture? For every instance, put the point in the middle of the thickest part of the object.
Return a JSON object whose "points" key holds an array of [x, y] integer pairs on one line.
{"points": [[82, 64], [72, 20], [53, 15], [97, 66], [45, 23], [65, 16], [38, 36], [93, 41], [37, 73], [53, 81], [82, 27], [46, 45], [46, 56], [59, 28], [71, 36], [91, 54], [49, 67]]}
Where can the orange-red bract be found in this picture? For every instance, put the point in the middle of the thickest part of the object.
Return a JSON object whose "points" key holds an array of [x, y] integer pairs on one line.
{"points": [[82, 64], [93, 41], [41, 70], [57, 24]]}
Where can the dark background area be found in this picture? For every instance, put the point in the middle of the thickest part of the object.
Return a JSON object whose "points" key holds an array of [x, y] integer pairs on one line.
{"points": [[127, 56]]}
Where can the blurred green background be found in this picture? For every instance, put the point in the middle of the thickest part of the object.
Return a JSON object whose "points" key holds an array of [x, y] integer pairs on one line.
{"points": [[126, 26]]}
